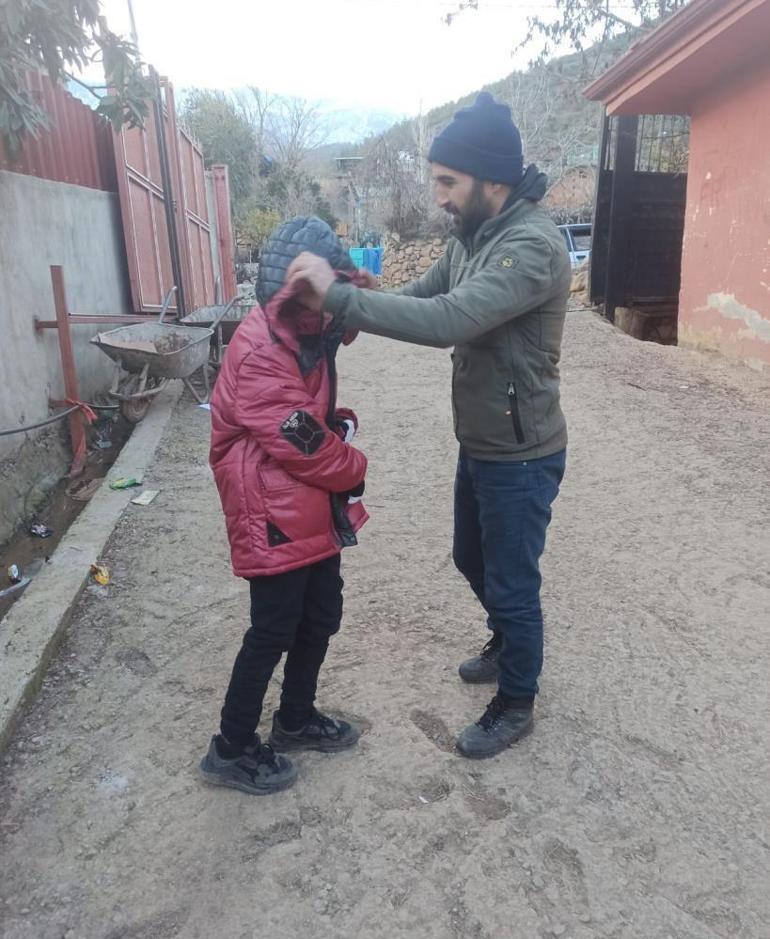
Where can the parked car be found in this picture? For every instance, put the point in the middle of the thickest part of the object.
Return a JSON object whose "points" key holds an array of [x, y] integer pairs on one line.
{"points": [[577, 237]]}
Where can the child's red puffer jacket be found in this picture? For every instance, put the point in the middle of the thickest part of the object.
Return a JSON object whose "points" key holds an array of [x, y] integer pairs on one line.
{"points": [[282, 470]]}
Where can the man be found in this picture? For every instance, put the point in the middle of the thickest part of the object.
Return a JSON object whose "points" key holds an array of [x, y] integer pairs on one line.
{"points": [[499, 296]]}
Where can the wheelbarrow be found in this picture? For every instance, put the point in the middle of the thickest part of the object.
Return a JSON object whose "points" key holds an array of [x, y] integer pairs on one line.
{"points": [[223, 320], [148, 355]]}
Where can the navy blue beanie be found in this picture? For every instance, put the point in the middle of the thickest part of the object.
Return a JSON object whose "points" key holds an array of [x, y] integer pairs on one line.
{"points": [[483, 141]]}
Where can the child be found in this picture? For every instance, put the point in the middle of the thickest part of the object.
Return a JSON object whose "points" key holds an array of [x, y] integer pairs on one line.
{"points": [[290, 484]]}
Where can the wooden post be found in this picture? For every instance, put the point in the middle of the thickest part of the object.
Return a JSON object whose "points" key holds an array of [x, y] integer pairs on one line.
{"points": [[77, 431], [620, 215]]}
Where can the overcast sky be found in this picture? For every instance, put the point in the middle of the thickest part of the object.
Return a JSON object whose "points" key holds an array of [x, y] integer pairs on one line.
{"points": [[392, 54]]}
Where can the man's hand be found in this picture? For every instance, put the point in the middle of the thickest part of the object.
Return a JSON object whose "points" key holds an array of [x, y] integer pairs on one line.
{"points": [[313, 276], [371, 282]]}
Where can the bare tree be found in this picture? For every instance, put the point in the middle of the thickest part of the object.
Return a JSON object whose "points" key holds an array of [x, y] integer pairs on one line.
{"points": [[293, 126], [394, 181], [285, 131], [388, 188], [256, 106], [558, 132], [461, 7], [577, 22], [530, 98]]}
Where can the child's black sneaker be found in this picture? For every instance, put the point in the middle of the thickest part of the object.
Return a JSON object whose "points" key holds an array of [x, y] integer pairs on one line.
{"points": [[327, 734], [256, 770]]}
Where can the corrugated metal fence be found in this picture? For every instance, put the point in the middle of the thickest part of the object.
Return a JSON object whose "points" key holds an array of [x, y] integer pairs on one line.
{"points": [[77, 148]]}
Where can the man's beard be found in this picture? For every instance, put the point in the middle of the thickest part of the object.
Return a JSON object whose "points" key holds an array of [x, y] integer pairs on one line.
{"points": [[475, 213]]}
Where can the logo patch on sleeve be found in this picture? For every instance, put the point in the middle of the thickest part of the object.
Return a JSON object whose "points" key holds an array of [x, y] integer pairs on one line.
{"points": [[303, 431], [507, 262]]}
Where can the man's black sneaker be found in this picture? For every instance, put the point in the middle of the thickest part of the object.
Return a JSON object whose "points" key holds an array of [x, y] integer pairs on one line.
{"points": [[483, 668], [505, 721], [323, 733], [258, 770]]}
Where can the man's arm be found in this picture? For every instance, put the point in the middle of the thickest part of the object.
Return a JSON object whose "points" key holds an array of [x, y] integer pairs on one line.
{"points": [[510, 285]]}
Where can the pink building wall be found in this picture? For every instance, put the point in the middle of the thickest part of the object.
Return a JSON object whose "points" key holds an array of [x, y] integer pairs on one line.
{"points": [[724, 302]]}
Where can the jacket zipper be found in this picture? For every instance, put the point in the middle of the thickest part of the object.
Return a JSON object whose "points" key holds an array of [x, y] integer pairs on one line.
{"points": [[341, 527], [331, 369], [454, 395], [513, 401]]}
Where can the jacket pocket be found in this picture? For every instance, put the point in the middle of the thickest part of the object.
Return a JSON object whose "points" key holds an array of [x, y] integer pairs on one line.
{"points": [[276, 477], [293, 510], [513, 403]]}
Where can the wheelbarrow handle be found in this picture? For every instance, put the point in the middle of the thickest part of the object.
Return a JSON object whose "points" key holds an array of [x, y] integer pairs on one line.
{"points": [[225, 310], [166, 303]]}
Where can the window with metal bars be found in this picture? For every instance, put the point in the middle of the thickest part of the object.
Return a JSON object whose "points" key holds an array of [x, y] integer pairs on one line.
{"points": [[662, 144]]}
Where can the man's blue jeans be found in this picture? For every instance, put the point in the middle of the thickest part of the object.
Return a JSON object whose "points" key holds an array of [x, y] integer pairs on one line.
{"points": [[502, 511]]}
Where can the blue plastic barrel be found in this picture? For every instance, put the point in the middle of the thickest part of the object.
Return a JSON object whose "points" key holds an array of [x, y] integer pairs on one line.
{"points": [[370, 259]]}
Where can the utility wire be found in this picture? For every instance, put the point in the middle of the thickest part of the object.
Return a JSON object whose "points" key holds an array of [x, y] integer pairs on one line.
{"points": [[56, 417]]}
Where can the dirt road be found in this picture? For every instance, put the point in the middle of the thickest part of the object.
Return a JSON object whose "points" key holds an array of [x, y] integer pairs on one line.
{"points": [[635, 810]]}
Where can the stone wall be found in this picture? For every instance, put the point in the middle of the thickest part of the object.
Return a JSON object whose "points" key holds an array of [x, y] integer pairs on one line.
{"points": [[404, 261]]}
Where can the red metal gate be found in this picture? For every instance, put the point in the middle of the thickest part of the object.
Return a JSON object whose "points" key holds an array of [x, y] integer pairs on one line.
{"points": [[198, 225], [226, 242], [142, 191], [162, 186], [195, 226]]}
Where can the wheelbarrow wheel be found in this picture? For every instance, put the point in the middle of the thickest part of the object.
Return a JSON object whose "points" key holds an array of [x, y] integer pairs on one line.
{"points": [[136, 394], [135, 409]]}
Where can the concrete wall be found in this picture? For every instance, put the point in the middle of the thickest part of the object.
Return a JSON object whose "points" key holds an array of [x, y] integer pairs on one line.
{"points": [[724, 302], [44, 223]]}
